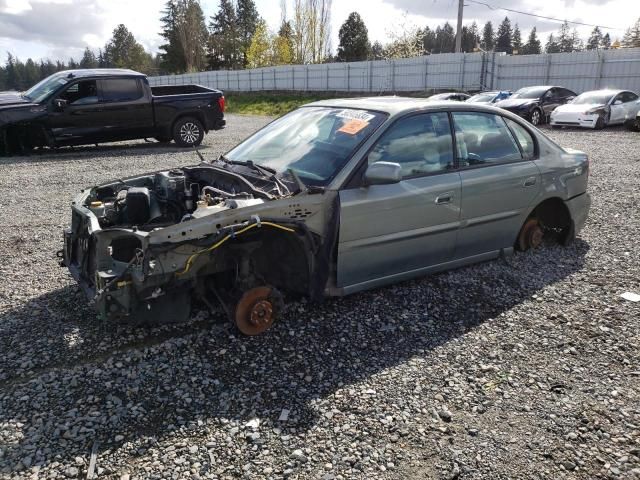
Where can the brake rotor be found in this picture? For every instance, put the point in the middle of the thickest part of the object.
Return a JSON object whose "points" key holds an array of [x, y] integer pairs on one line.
{"points": [[531, 235], [255, 311]]}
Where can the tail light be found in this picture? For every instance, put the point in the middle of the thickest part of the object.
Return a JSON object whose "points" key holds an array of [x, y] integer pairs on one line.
{"points": [[221, 103]]}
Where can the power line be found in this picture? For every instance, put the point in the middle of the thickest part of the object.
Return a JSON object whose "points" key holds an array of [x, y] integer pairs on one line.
{"points": [[542, 16]]}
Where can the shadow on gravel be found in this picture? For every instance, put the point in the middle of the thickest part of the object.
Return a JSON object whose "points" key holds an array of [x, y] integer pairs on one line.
{"points": [[91, 383], [114, 150]]}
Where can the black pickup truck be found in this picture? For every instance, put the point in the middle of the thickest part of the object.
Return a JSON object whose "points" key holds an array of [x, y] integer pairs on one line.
{"points": [[76, 107]]}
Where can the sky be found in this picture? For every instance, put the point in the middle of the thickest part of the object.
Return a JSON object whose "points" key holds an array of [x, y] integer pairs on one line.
{"points": [[59, 29]]}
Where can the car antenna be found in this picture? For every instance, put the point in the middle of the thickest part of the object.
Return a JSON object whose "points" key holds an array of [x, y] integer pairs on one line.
{"points": [[199, 154]]}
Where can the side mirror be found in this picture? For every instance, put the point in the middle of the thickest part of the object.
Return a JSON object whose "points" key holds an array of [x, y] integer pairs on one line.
{"points": [[382, 173], [59, 104]]}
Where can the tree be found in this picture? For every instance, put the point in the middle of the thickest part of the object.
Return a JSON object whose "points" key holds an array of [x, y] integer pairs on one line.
{"points": [[406, 41], [552, 45], [606, 41], [123, 51], [516, 41], [504, 37], [488, 40], [223, 48], [259, 53], [470, 37], [632, 36], [595, 40], [445, 39], [283, 45], [565, 39], [248, 19], [533, 46], [88, 59], [576, 42], [428, 40], [191, 33], [354, 39], [311, 30], [172, 58], [377, 51]]}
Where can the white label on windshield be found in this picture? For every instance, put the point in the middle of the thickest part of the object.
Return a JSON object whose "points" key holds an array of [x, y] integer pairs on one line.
{"points": [[355, 115]]}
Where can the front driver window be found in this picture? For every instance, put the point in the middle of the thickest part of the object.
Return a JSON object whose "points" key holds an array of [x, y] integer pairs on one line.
{"points": [[81, 93], [421, 144], [483, 138]]}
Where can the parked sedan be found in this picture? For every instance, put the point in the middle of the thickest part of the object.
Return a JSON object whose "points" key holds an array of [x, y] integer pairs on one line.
{"points": [[597, 109], [536, 103], [454, 96], [488, 98], [333, 198]]}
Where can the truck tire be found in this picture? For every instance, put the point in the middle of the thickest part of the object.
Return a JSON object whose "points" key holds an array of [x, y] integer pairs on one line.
{"points": [[188, 132]]}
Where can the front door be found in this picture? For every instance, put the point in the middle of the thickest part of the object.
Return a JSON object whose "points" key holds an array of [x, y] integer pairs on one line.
{"points": [[393, 230], [79, 120], [499, 181]]}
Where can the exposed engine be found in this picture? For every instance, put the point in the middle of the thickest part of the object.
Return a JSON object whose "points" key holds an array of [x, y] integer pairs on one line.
{"points": [[169, 197]]}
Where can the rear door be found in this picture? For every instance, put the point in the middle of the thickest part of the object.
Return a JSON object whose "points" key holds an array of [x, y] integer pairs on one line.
{"points": [[624, 106], [390, 230], [499, 180], [126, 108]]}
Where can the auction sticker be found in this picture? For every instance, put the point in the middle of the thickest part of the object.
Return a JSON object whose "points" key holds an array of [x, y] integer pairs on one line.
{"points": [[355, 115], [353, 126]]}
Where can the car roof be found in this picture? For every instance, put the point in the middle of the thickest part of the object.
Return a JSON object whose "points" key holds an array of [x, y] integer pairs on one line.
{"points": [[397, 105], [98, 72], [605, 90]]}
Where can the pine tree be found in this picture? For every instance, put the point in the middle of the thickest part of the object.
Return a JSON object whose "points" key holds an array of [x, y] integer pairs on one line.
{"points": [[576, 42], [606, 41], [488, 38], [354, 39], [595, 40], [445, 41], [283, 44], [428, 40], [247, 20], [192, 34], [504, 37], [88, 59], [552, 45], [470, 37], [171, 56], [533, 46], [632, 36], [224, 42], [565, 39], [516, 42], [123, 51]]}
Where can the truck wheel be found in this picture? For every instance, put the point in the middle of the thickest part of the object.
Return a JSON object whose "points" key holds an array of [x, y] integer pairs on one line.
{"points": [[188, 132], [257, 309]]}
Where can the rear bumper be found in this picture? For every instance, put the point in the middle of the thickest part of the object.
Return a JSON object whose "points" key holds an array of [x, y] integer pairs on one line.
{"points": [[579, 209]]}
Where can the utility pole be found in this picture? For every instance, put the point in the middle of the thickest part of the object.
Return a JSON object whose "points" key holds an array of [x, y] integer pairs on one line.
{"points": [[459, 30]]}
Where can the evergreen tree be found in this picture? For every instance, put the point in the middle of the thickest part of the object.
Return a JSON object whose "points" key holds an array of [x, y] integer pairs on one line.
{"points": [[552, 45], [488, 39], [224, 41], [533, 46], [283, 45], [595, 40], [516, 42], [31, 74], [576, 41], [248, 19], [377, 51], [354, 39], [171, 58], [445, 41], [428, 40], [123, 51], [470, 37], [504, 37], [606, 41], [88, 59], [565, 39], [632, 36]]}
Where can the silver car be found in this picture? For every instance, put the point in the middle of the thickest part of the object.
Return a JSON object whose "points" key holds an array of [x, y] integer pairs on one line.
{"points": [[333, 198]]}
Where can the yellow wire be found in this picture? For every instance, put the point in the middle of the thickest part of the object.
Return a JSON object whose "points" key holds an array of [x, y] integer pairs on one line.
{"points": [[216, 245]]}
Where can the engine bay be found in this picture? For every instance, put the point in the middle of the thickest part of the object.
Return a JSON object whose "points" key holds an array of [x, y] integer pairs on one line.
{"points": [[168, 197]]}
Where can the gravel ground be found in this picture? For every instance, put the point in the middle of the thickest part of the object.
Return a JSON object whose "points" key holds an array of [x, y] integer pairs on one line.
{"points": [[519, 369]]}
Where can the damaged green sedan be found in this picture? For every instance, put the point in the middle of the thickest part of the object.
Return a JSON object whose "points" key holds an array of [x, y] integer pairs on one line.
{"points": [[333, 198]]}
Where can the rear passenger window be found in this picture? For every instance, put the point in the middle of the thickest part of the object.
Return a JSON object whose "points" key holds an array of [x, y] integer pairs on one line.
{"points": [[121, 90], [483, 138], [524, 139], [421, 144]]}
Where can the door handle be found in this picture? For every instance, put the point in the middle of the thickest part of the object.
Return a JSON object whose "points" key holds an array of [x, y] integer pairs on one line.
{"points": [[529, 182], [444, 198]]}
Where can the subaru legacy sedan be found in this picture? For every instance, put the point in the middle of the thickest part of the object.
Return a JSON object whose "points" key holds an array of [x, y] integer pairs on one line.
{"points": [[333, 198]]}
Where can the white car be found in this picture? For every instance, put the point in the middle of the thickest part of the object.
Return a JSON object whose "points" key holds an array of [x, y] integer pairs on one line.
{"points": [[597, 109]]}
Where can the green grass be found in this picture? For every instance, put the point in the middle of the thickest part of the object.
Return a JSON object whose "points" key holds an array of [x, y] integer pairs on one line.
{"points": [[273, 104]]}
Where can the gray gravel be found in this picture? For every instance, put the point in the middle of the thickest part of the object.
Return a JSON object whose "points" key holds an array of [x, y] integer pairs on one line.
{"points": [[526, 368]]}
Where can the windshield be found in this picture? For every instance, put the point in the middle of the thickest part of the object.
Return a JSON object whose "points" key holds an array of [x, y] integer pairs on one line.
{"points": [[600, 98], [42, 89], [530, 92], [315, 142], [482, 97]]}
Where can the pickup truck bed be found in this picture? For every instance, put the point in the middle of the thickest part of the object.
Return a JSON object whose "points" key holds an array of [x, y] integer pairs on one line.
{"points": [[95, 106]]}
